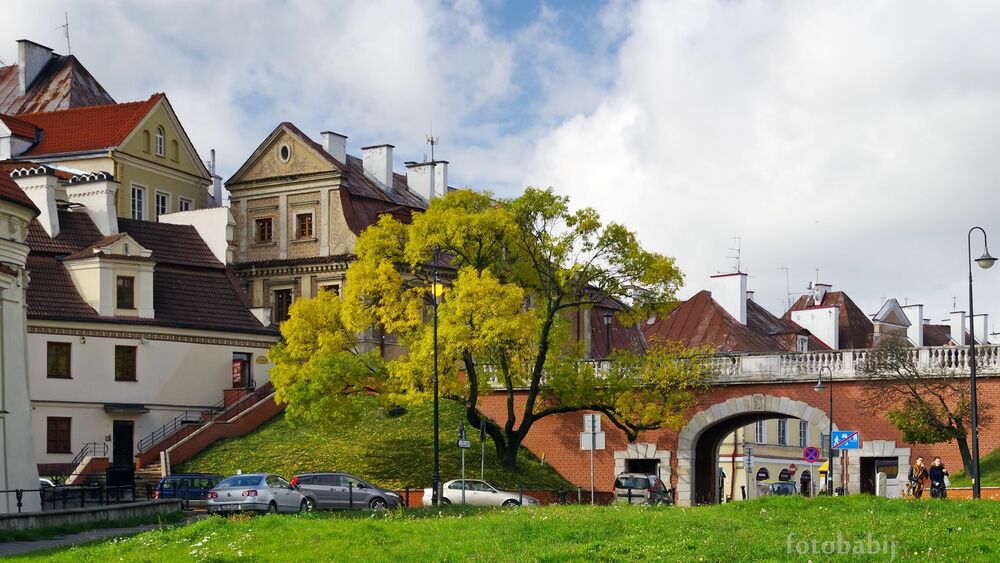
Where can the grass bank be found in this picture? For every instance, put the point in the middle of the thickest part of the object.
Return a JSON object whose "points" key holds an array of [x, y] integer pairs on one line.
{"points": [[56, 531], [765, 529], [390, 451], [989, 470]]}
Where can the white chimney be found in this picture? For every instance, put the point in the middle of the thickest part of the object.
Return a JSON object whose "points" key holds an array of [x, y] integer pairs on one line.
{"points": [[982, 325], [215, 226], [958, 327], [915, 332], [819, 292], [441, 178], [749, 295], [730, 291], [96, 193], [41, 185], [31, 59], [217, 195], [378, 164], [335, 145]]}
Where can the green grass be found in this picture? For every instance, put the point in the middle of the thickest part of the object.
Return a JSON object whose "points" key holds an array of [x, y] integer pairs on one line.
{"points": [[742, 531], [989, 470], [389, 451], [55, 531]]}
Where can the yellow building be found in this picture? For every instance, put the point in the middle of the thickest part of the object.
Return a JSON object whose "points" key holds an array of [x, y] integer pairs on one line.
{"points": [[141, 144], [776, 447]]}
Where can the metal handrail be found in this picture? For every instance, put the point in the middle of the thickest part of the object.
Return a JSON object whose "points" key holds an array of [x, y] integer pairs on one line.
{"points": [[90, 448], [169, 429]]}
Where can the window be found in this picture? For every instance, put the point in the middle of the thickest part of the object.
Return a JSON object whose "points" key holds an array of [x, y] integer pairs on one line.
{"points": [[125, 363], [304, 226], [159, 141], [184, 205], [138, 202], [58, 360], [282, 302], [783, 432], [57, 435], [761, 431], [145, 140], [803, 433], [335, 288], [162, 204], [126, 292], [284, 153], [801, 343], [265, 232]]}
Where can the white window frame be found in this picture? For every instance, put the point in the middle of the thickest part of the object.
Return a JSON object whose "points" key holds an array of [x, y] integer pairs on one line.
{"points": [[184, 204], [803, 433], [138, 211], [156, 203], [801, 343], [160, 140], [760, 432], [782, 431]]}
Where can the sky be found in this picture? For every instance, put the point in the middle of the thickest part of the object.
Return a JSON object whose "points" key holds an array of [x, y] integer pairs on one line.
{"points": [[854, 142]]}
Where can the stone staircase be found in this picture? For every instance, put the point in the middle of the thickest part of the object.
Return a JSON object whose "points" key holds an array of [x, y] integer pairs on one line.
{"points": [[150, 475]]}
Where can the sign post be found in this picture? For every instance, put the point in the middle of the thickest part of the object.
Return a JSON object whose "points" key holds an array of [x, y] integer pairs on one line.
{"points": [[843, 441], [463, 445], [482, 445], [811, 454], [591, 439], [748, 466]]}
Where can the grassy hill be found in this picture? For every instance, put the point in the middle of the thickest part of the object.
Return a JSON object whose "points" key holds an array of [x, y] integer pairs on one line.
{"points": [[989, 470], [768, 529], [390, 451]]}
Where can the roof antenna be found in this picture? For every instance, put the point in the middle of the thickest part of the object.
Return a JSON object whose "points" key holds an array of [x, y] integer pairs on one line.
{"points": [[65, 28], [738, 251], [788, 288], [432, 141]]}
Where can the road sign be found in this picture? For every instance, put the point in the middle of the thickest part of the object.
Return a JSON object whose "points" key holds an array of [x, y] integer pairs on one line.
{"points": [[464, 444], [748, 450], [846, 440], [792, 469], [810, 454], [591, 423], [586, 441]]}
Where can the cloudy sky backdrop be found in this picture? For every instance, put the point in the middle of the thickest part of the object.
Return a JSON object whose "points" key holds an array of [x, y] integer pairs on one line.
{"points": [[857, 138]]}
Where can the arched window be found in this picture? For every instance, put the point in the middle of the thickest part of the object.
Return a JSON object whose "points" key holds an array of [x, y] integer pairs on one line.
{"points": [[159, 141], [763, 474], [145, 140], [174, 150]]}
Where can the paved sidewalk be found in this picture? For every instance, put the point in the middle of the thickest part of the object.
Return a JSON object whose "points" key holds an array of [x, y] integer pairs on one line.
{"points": [[21, 547]]}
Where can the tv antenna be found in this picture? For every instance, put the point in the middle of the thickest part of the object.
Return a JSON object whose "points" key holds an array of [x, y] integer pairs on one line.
{"points": [[432, 140], [788, 288], [65, 28], [738, 250]]}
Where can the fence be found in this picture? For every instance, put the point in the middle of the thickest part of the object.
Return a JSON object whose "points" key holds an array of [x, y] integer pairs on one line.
{"points": [[414, 497], [78, 496]]}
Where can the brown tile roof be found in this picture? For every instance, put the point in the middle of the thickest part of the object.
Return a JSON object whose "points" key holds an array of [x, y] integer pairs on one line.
{"points": [[10, 191], [702, 321], [87, 128], [783, 331], [937, 335], [623, 337], [52, 294], [201, 298], [64, 83], [856, 329], [289, 262], [19, 128], [76, 232], [171, 244]]}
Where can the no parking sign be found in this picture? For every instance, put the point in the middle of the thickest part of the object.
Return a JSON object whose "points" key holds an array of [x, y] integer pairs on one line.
{"points": [[810, 454]]}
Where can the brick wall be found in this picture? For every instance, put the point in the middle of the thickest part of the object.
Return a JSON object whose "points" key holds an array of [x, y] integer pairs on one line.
{"points": [[415, 497], [557, 437], [247, 422]]}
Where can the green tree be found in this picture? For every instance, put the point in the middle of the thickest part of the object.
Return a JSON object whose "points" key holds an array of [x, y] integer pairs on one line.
{"points": [[516, 270], [927, 404]]}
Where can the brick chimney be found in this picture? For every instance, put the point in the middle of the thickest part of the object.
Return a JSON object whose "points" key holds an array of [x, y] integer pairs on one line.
{"points": [[378, 164]]}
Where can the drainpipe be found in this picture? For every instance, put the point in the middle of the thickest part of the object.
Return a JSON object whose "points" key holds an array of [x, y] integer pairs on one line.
{"points": [[732, 472]]}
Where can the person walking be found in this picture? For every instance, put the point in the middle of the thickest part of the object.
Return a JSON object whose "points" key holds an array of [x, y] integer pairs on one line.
{"points": [[939, 479], [916, 478]]}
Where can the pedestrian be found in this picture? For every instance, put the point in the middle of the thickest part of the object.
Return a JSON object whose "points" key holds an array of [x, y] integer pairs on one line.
{"points": [[916, 478], [939, 479]]}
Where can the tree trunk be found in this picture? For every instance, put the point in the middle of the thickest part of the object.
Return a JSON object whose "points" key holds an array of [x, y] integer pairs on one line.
{"points": [[963, 449]]}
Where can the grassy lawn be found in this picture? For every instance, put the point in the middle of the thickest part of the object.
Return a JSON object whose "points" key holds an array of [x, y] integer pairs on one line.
{"points": [[989, 469], [389, 451], [43, 533], [751, 530]]}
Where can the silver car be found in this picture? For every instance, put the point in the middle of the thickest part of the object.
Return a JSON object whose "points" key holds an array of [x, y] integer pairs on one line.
{"points": [[255, 492], [343, 491], [478, 493]]}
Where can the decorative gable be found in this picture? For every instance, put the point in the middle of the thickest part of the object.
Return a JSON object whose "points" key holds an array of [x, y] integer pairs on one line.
{"points": [[114, 276], [281, 155]]}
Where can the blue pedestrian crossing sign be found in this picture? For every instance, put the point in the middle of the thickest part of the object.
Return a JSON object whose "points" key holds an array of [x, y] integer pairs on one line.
{"points": [[846, 440]]}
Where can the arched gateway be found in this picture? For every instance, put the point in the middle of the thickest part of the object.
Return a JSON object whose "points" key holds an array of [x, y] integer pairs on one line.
{"points": [[698, 442]]}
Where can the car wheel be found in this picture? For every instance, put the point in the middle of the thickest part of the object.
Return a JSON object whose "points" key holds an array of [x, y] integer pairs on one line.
{"points": [[378, 504], [272, 508], [308, 504], [304, 506], [510, 503], [445, 501]]}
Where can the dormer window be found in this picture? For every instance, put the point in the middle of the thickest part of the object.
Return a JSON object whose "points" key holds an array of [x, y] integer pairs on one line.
{"points": [[126, 292], [159, 141], [801, 343]]}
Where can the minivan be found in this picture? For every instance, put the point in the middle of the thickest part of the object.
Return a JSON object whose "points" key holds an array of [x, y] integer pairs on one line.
{"points": [[636, 488], [192, 487]]}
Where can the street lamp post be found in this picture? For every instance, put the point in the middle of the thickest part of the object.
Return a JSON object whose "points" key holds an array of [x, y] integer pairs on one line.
{"points": [[829, 460], [985, 261], [436, 479], [607, 334]]}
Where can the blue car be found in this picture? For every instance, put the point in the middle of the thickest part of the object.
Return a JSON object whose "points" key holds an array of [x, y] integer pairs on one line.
{"points": [[189, 486]]}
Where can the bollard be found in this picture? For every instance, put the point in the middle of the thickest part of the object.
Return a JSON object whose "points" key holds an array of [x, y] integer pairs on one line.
{"points": [[20, 494], [743, 491], [520, 494], [406, 497], [630, 495], [562, 495], [579, 495], [149, 491], [350, 495]]}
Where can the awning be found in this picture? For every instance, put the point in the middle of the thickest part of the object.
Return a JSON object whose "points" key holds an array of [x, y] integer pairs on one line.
{"points": [[133, 408], [822, 468]]}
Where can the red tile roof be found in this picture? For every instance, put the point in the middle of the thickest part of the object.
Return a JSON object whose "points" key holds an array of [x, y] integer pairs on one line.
{"points": [[18, 127], [64, 83], [10, 191], [87, 128], [856, 329]]}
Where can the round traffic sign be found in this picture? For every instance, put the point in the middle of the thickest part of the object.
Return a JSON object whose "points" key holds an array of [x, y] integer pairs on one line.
{"points": [[810, 454]]}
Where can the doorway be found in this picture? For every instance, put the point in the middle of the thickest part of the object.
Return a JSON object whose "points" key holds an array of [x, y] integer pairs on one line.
{"points": [[643, 466], [872, 466], [122, 436]]}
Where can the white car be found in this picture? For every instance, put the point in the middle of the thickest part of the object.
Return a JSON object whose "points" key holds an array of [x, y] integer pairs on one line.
{"points": [[258, 492], [478, 493]]}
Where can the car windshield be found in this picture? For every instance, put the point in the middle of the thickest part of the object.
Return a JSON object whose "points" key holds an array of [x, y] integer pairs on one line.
{"points": [[240, 481], [632, 483]]}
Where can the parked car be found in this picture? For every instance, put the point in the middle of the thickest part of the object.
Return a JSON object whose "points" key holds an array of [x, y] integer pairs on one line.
{"points": [[479, 493], [343, 491], [637, 488], [44, 483], [257, 492], [193, 487], [782, 488]]}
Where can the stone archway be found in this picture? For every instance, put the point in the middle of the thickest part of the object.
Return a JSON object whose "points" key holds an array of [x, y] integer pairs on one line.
{"points": [[713, 423], [877, 449], [644, 451]]}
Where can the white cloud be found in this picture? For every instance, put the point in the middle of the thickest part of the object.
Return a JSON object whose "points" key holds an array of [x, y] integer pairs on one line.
{"points": [[857, 138]]}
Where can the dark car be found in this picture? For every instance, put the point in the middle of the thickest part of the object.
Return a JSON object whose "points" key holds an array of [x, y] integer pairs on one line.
{"points": [[782, 488], [343, 491], [189, 486], [638, 488]]}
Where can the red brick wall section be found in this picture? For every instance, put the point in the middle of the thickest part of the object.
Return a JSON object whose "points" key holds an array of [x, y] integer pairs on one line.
{"points": [[249, 421], [990, 493], [556, 438], [544, 497]]}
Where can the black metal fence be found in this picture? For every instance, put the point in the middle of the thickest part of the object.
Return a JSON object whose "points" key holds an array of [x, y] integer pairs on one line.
{"points": [[79, 496]]}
